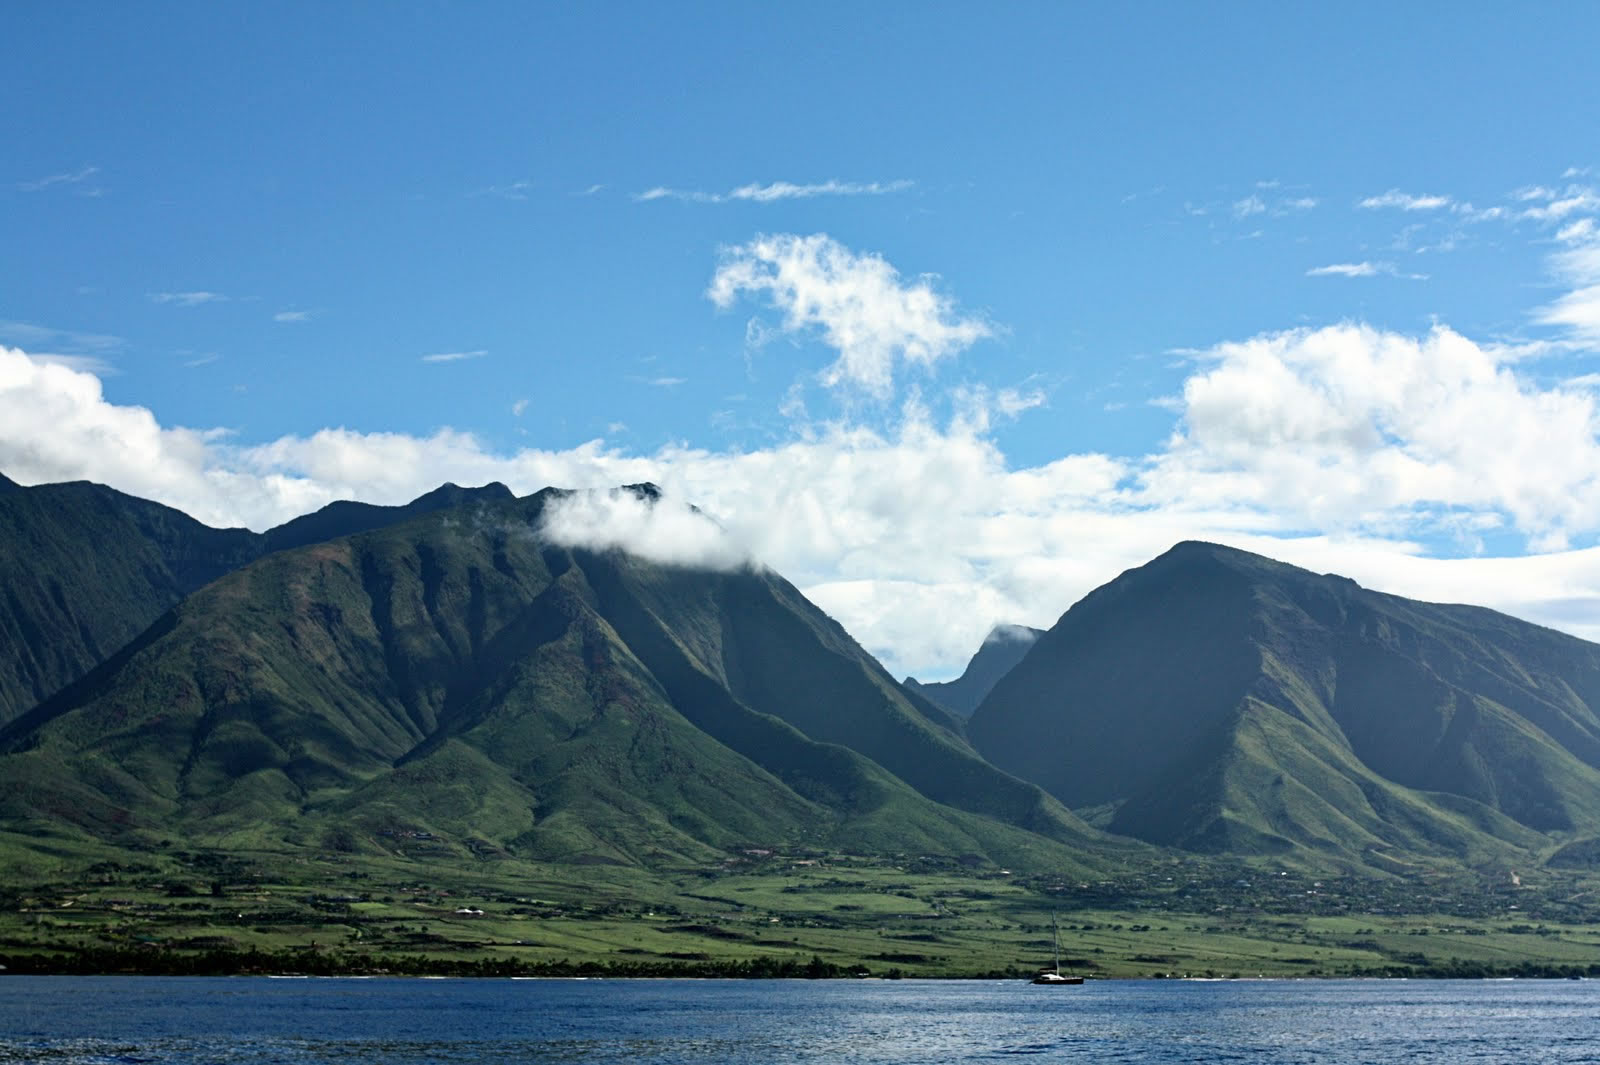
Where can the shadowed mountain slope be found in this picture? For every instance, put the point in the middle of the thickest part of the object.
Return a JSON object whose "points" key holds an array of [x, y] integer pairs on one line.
{"points": [[1220, 701], [1002, 649], [461, 677], [85, 568]]}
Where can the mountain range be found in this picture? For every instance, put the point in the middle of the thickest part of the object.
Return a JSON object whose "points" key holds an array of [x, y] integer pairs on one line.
{"points": [[458, 677], [364, 678]]}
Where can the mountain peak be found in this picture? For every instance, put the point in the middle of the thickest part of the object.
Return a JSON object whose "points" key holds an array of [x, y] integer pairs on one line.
{"points": [[1002, 649], [1011, 633], [646, 490], [1185, 550], [450, 492], [8, 485], [1204, 556]]}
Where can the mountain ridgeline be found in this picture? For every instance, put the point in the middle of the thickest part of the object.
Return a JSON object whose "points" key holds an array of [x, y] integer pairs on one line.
{"points": [[444, 675], [87, 568], [459, 677], [1219, 701]]}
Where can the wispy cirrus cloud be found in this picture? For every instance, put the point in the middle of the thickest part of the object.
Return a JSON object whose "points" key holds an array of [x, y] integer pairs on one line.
{"points": [[292, 316], [1250, 205], [71, 177], [1553, 206], [1267, 201], [775, 191], [1579, 232], [1577, 267], [455, 356], [511, 190], [1365, 268], [83, 352], [1405, 201], [188, 299], [35, 336]]}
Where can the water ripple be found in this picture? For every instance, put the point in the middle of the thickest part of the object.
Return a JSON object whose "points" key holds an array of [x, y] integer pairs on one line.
{"points": [[244, 1021]]}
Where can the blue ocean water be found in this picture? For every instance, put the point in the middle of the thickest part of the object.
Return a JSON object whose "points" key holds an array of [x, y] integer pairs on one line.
{"points": [[126, 1020]]}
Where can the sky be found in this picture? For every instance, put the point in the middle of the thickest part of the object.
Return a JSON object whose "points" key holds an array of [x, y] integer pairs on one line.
{"points": [[946, 314]]}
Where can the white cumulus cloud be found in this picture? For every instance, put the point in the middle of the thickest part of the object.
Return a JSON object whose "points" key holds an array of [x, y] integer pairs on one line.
{"points": [[857, 302], [1353, 427]]}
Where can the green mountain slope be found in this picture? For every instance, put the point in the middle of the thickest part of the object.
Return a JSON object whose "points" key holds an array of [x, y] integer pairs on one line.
{"points": [[1220, 701], [85, 568], [1002, 649], [457, 679]]}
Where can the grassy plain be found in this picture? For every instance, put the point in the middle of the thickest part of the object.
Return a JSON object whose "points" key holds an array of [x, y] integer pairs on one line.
{"points": [[883, 916]]}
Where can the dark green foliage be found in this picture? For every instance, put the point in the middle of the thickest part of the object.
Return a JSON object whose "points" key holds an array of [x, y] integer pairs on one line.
{"points": [[1219, 701], [1579, 854], [83, 570], [156, 961]]}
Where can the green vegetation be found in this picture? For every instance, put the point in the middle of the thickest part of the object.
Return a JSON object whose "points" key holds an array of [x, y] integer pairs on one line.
{"points": [[784, 914], [1224, 703], [457, 678], [90, 568]]}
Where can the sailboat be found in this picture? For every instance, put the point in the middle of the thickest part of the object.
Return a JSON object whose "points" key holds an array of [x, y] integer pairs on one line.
{"points": [[1053, 976]]}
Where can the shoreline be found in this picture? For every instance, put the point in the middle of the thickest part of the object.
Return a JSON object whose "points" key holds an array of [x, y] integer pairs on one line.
{"points": [[274, 965]]}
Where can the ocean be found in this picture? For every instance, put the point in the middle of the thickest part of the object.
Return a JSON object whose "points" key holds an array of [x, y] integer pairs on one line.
{"points": [[114, 1020]]}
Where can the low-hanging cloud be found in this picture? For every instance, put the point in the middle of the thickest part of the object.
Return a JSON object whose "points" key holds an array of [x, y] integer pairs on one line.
{"points": [[658, 528]]}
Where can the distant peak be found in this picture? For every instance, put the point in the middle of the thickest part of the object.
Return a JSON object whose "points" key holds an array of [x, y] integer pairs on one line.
{"points": [[8, 485], [1009, 633], [644, 490]]}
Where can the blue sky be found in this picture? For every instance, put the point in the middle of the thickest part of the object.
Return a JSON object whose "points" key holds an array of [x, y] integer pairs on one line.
{"points": [[983, 282]]}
